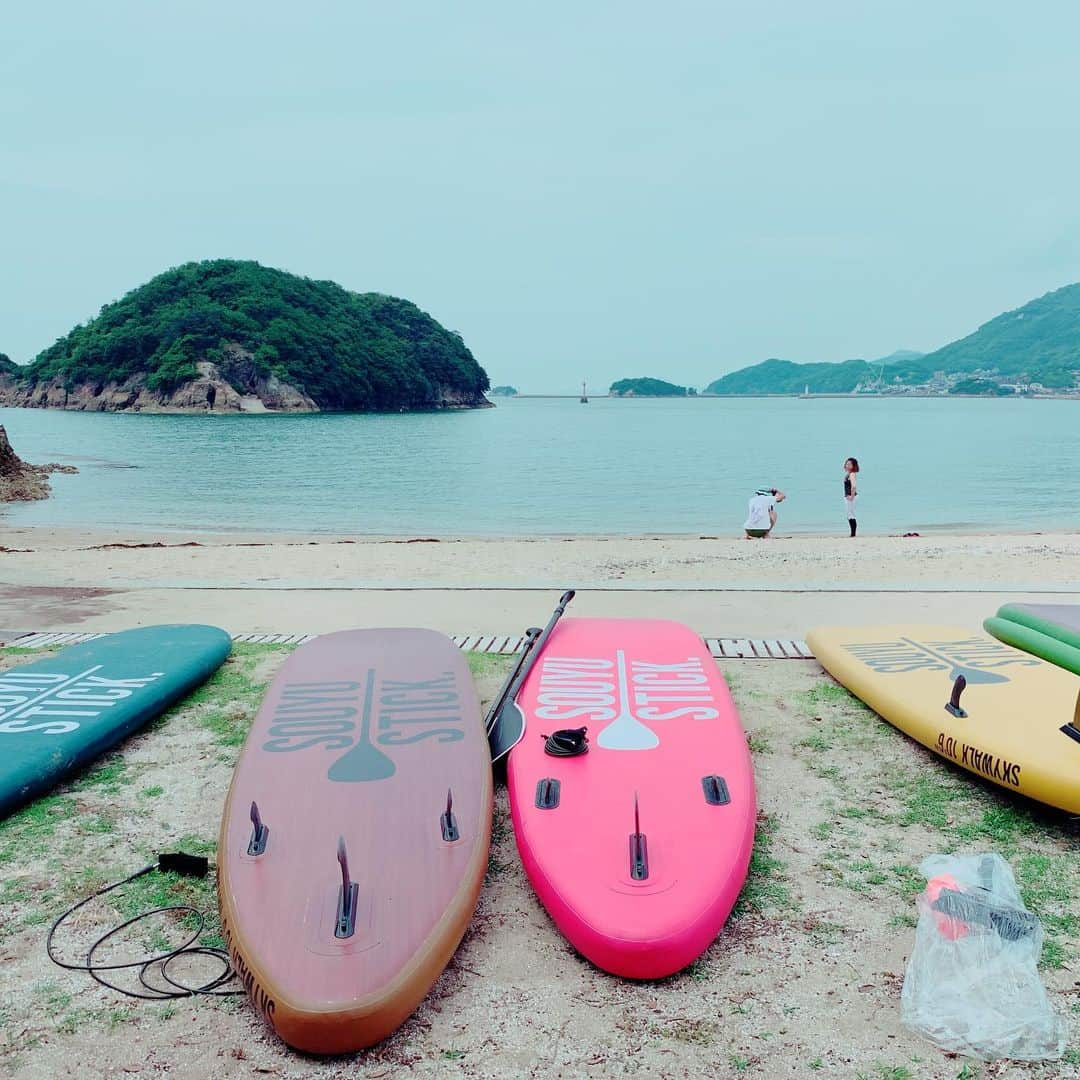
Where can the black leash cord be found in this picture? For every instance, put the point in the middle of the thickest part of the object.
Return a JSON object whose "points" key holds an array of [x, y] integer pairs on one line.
{"points": [[145, 964], [569, 742]]}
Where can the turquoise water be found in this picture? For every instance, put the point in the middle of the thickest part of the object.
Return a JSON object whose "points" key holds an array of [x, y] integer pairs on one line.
{"points": [[548, 466]]}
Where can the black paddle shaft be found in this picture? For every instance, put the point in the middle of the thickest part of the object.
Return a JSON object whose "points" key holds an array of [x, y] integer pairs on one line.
{"points": [[496, 706], [508, 725]]}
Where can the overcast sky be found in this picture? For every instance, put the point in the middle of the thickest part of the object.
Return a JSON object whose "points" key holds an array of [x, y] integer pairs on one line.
{"points": [[583, 190]]}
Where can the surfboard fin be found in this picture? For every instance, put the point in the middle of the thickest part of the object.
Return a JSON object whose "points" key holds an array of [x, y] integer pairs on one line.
{"points": [[260, 833], [448, 823], [1072, 729], [347, 896], [953, 704], [639, 850]]}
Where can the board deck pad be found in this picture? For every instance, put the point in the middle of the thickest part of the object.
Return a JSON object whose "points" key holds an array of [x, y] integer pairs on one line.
{"points": [[1019, 708], [60, 713], [361, 736], [639, 895]]}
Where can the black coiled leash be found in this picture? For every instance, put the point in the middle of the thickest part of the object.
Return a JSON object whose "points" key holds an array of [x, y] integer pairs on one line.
{"points": [[569, 742], [181, 863]]}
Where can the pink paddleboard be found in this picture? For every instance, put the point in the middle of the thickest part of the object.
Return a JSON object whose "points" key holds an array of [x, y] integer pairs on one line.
{"points": [[644, 900]]}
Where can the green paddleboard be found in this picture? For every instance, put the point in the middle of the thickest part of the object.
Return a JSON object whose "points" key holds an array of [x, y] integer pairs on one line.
{"points": [[1022, 636], [60, 713], [1061, 621]]}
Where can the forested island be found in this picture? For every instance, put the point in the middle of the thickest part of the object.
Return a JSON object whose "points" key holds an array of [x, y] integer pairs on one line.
{"points": [[1034, 349], [503, 391], [649, 388], [231, 336]]}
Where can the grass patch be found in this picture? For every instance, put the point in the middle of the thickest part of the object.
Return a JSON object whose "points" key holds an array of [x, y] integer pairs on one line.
{"points": [[766, 886], [687, 1030], [484, 664], [109, 778], [27, 832], [759, 743], [226, 703]]}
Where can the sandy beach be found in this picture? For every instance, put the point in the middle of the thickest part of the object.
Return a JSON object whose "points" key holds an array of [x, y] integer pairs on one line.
{"points": [[106, 580], [804, 980]]}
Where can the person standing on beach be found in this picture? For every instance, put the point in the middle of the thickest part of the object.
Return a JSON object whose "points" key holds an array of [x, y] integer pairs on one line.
{"points": [[851, 491], [761, 515]]}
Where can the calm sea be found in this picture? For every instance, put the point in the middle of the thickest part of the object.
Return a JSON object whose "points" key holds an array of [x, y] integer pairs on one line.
{"points": [[542, 466]]}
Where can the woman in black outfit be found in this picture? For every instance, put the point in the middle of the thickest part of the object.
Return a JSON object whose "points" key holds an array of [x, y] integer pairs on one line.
{"points": [[851, 475]]}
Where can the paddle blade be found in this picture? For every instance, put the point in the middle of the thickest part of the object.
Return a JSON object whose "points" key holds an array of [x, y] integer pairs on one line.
{"points": [[507, 731]]}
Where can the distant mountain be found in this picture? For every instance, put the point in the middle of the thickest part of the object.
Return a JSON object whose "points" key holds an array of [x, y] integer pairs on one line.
{"points": [[1038, 343], [649, 388], [784, 377], [225, 335], [502, 391]]}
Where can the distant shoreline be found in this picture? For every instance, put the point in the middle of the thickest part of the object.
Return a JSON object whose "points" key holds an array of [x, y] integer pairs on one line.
{"points": [[796, 397]]}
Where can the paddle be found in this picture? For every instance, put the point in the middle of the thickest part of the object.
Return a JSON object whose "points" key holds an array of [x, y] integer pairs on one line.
{"points": [[508, 725], [496, 706]]}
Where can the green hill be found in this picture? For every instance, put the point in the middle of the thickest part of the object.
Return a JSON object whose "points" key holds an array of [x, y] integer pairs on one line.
{"points": [[1036, 343], [253, 330], [648, 388], [785, 377], [1040, 341]]}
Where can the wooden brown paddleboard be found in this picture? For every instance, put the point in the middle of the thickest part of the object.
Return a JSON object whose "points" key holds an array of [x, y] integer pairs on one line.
{"points": [[355, 835]]}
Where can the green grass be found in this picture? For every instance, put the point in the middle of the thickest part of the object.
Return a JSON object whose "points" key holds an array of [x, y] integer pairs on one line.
{"points": [[110, 777], [759, 743], [766, 888], [484, 664], [226, 704], [26, 833]]}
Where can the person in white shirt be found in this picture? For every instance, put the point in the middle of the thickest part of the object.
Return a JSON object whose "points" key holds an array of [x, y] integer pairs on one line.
{"points": [[761, 516]]}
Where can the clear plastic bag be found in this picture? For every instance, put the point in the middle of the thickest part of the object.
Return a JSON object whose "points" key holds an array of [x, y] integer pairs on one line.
{"points": [[971, 985]]}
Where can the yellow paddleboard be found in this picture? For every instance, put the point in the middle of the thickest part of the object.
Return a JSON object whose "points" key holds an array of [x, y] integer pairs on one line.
{"points": [[1022, 724]]}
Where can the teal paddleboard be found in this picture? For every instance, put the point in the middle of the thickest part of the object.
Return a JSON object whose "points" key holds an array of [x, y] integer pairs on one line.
{"points": [[1033, 641], [60, 713]]}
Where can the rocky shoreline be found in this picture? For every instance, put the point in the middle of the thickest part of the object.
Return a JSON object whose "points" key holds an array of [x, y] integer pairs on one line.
{"points": [[234, 387], [208, 393], [20, 482]]}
